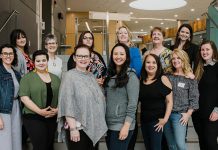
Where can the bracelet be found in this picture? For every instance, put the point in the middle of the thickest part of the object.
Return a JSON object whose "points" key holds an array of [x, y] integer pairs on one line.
{"points": [[73, 129]]}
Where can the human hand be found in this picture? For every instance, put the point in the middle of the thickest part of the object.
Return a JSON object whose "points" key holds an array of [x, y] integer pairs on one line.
{"points": [[1, 124], [184, 119], [53, 112], [75, 135], [100, 81], [159, 126], [45, 111], [213, 116], [190, 75], [123, 133]]}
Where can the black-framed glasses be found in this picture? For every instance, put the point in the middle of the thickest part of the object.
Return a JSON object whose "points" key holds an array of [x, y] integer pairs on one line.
{"points": [[5, 54], [87, 38], [82, 56]]}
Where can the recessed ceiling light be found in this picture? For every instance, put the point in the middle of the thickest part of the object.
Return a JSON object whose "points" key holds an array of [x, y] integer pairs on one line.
{"points": [[192, 9], [136, 21], [162, 23], [123, 1], [68, 8], [198, 19], [131, 13], [151, 27], [167, 28], [95, 29], [157, 4], [142, 30], [175, 15]]}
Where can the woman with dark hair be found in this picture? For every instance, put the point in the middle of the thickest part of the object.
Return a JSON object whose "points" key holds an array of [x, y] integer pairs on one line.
{"points": [[122, 88], [156, 101], [10, 113], [205, 119], [81, 108], [39, 93], [19, 40], [97, 65], [183, 41]]}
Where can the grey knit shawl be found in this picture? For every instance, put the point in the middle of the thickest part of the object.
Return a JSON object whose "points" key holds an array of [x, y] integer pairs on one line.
{"points": [[81, 97]]}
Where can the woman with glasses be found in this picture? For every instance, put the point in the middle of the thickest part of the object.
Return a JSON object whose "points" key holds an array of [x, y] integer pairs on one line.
{"points": [[10, 114], [97, 65], [39, 93], [81, 108], [54, 62]]}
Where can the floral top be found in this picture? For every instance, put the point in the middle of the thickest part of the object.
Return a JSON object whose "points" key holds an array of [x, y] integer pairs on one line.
{"points": [[29, 62], [165, 58]]}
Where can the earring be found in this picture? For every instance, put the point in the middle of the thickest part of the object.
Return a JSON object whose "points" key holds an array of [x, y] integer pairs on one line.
{"points": [[35, 70], [46, 69]]}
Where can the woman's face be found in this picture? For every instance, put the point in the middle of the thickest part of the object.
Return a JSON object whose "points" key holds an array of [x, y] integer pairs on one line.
{"points": [[7, 56], [41, 62], [150, 65], [206, 52], [21, 41], [119, 56], [82, 58], [51, 46], [88, 40], [123, 35], [184, 34], [157, 37], [176, 61]]}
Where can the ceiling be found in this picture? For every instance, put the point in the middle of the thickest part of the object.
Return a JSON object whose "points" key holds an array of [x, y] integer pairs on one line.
{"points": [[116, 6]]}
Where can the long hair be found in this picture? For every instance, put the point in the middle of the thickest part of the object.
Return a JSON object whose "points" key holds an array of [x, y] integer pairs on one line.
{"points": [[122, 77], [16, 34], [131, 44], [159, 71], [186, 67], [80, 42], [14, 62], [178, 40], [199, 69]]}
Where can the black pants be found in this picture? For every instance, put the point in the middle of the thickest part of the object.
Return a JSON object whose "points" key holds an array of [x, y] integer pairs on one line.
{"points": [[207, 132], [133, 139], [40, 131], [85, 142]]}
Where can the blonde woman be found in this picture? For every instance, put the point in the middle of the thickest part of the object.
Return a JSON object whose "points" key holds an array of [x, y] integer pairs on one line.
{"points": [[185, 99]]}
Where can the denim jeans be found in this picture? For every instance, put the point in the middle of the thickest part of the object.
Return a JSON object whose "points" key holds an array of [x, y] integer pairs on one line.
{"points": [[113, 142], [152, 138], [175, 132]]}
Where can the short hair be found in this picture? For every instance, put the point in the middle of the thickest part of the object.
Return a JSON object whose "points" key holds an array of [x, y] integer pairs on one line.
{"points": [[40, 52], [81, 46], [14, 62], [158, 29], [50, 37], [159, 71]]}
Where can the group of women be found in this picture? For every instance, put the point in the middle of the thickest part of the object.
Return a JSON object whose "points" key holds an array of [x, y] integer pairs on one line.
{"points": [[90, 101]]}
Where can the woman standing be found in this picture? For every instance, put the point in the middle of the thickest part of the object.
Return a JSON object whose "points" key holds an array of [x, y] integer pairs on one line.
{"points": [[81, 108], [54, 62], [185, 100], [183, 41], [10, 115], [156, 102], [122, 88], [124, 36], [19, 40], [205, 120], [39, 93]]}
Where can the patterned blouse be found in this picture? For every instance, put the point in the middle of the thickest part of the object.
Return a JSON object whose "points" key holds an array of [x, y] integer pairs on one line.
{"points": [[29, 62]]}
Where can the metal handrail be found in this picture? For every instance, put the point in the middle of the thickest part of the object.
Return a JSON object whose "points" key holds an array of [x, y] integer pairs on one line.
{"points": [[15, 11]]}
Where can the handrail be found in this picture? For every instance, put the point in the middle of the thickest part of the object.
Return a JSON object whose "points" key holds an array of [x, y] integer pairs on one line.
{"points": [[8, 19]]}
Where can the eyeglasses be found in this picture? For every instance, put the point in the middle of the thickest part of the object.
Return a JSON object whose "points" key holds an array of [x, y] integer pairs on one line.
{"points": [[53, 43], [82, 56], [5, 54], [87, 38]]}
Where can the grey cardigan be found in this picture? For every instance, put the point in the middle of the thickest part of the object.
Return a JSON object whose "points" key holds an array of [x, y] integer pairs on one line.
{"points": [[121, 103]]}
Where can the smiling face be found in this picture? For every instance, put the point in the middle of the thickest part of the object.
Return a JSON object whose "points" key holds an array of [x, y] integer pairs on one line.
{"points": [[41, 63], [184, 34], [176, 61], [82, 58], [88, 39], [21, 41], [119, 56], [206, 52], [157, 37], [150, 65], [51, 46], [123, 35], [7, 56]]}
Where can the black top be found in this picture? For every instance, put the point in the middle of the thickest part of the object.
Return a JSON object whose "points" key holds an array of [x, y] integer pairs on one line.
{"points": [[49, 94], [152, 98], [208, 89]]}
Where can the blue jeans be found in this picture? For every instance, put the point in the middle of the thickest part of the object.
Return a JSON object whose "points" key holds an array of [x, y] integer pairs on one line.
{"points": [[113, 142], [152, 138], [175, 132]]}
